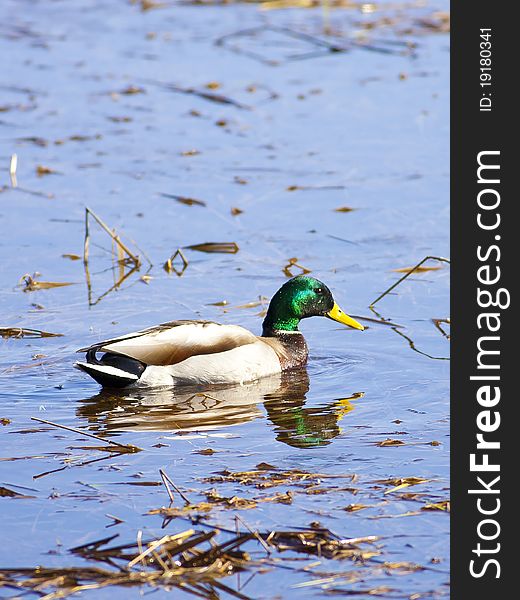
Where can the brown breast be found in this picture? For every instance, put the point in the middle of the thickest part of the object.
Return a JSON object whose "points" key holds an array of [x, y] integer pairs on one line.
{"points": [[290, 348]]}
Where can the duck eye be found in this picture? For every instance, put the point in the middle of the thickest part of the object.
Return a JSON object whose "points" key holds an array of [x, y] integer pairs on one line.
{"points": [[318, 290]]}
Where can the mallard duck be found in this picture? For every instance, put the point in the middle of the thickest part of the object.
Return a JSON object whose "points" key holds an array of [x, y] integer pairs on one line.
{"points": [[203, 352]]}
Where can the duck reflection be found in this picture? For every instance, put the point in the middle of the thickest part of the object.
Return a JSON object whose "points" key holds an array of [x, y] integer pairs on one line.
{"points": [[298, 425], [198, 409]]}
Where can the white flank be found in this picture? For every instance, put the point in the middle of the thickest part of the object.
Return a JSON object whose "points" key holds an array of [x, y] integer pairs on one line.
{"points": [[239, 365]]}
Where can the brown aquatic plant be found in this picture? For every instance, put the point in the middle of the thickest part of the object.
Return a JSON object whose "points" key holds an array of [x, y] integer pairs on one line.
{"points": [[127, 261], [291, 263], [122, 448], [31, 283], [408, 272], [20, 332], [215, 247], [170, 265], [127, 255], [184, 199], [191, 561]]}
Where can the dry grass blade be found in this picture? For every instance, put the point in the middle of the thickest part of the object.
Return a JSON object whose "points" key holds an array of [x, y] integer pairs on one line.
{"points": [[293, 262], [411, 343], [218, 247], [264, 478], [219, 585], [7, 493], [184, 200], [294, 188], [344, 209], [42, 170], [150, 4], [204, 94], [85, 549], [355, 507], [115, 520], [255, 533], [169, 265], [167, 480], [444, 505], [407, 274], [122, 258], [322, 542], [402, 482], [113, 287], [410, 513], [166, 541], [416, 269], [19, 332], [133, 258], [182, 560], [31, 284], [351, 4], [390, 442], [218, 552], [437, 323], [214, 499], [379, 321], [113, 446]]}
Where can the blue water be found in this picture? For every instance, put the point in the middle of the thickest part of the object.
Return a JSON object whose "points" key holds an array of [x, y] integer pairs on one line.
{"points": [[360, 129]]}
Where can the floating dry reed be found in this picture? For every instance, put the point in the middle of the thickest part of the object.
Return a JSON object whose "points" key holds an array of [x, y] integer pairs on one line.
{"points": [[111, 445], [218, 247], [184, 199], [291, 263], [30, 283], [412, 345], [189, 560], [19, 332], [130, 256], [124, 257], [170, 267], [204, 94], [408, 271], [267, 476]]}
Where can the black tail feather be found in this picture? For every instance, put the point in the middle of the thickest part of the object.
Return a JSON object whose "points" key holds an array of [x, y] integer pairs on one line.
{"points": [[121, 370]]}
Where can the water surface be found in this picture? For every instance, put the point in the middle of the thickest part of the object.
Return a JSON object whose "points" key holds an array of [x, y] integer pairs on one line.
{"points": [[84, 93]]}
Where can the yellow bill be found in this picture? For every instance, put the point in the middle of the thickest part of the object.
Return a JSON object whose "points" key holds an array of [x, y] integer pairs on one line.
{"points": [[336, 314]]}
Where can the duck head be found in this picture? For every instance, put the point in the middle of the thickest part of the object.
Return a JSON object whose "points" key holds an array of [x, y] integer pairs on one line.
{"points": [[300, 298]]}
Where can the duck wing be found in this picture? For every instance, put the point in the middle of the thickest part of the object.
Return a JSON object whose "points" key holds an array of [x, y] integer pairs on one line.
{"points": [[171, 343]]}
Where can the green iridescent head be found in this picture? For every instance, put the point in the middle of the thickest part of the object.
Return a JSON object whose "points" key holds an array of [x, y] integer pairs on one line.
{"points": [[299, 298]]}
